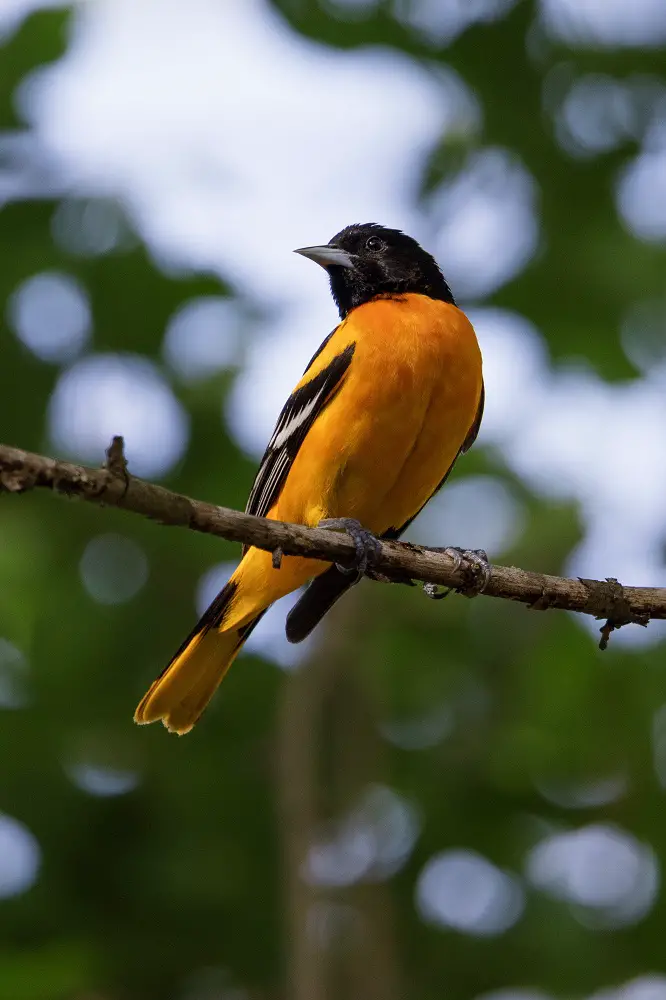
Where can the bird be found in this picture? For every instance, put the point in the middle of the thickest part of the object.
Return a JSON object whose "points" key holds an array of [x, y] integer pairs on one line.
{"points": [[389, 401]]}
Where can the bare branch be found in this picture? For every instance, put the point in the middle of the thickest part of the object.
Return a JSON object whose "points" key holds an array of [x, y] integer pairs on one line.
{"points": [[399, 562]]}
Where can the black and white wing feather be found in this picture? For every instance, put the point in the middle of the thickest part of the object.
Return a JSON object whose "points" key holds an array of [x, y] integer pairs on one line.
{"points": [[297, 417], [326, 589]]}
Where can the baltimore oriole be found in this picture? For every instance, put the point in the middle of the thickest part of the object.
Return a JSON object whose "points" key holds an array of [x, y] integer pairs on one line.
{"points": [[389, 401]]}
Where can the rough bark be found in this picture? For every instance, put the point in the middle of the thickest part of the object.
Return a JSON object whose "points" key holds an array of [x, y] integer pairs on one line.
{"points": [[399, 562]]}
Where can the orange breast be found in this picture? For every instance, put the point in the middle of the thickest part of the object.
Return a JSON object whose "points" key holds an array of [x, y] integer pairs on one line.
{"points": [[387, 439]]}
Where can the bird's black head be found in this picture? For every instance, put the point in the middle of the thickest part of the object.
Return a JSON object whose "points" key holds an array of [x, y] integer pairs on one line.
{"points": [[367, 261]]}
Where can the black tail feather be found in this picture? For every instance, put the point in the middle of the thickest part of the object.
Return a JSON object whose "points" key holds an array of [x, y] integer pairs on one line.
{"points": [[319, 598]]}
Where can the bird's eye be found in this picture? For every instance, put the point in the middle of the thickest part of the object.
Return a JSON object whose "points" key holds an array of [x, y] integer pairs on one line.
{"points": [[374, 243]]}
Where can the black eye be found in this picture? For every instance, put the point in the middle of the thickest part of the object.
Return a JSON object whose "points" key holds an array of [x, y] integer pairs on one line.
{"points": [[374, 243]]}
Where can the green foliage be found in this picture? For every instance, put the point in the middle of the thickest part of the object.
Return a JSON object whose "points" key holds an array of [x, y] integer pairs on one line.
{"points": [[138, 894]]}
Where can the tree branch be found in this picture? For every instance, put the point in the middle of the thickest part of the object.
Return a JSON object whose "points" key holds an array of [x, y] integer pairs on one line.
{"points": [[399, 562]]}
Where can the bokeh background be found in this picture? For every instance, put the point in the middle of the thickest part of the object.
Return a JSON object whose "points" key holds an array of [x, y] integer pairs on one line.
{"points": [[426, 800]]}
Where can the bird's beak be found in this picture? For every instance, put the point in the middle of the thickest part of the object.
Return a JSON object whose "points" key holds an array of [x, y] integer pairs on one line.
{"points": [[327, 256]]}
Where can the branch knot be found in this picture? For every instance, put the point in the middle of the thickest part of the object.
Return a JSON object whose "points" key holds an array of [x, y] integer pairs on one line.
{"points": [[608, 600], [116, 463], [17, 477]]}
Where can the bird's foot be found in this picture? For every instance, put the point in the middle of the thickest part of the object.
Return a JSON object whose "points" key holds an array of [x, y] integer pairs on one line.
{"points": [[476, 570], [367, 545]]}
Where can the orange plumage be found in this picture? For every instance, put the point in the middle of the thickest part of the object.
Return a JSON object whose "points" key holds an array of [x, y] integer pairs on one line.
{"points": [[382, 434]]}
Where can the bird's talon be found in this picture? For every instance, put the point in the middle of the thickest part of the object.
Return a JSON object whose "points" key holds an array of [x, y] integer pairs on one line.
{"points": [[456, 555], [367, 546], [479, 570]]}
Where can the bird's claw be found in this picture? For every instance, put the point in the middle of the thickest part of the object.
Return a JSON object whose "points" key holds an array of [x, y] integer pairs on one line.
{"points": [[367, 545], [476, 569]]}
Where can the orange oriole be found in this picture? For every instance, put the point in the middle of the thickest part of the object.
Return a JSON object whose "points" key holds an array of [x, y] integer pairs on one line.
{"points": [[386, 405]]}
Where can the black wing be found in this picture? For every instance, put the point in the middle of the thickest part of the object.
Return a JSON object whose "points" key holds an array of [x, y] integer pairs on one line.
{"points": [[326, 589], [319, 598], [297, 417]]}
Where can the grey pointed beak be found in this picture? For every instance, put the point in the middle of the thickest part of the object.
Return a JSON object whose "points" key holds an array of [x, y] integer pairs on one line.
{"points": [[327, 256]]}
